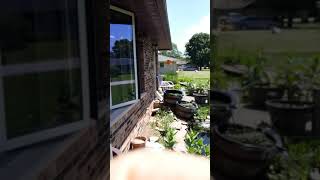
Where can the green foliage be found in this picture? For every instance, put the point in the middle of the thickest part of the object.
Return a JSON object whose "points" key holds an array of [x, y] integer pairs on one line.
{"points": [[191, 87], [185, 79], [219, 80], [195, 145], [177, 86], [172, 76], [162, 122], [203, 86], [257, 74], [302, 158], [175, 53], [122, 49], [312, 76], [290, 78], [202, 113], [198, 49], [169, 139]]}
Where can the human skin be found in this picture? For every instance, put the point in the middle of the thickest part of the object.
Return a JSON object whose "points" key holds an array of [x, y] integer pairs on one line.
{"points": [[164, 165]]}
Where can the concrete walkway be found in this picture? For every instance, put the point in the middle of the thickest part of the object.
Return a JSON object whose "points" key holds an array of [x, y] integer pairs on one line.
{"points": [[250, 117]]}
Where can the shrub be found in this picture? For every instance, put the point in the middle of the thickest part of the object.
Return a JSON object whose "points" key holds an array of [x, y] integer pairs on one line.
{"points": [[172, 76], [169, 139], [202, 113], [195, 145]]}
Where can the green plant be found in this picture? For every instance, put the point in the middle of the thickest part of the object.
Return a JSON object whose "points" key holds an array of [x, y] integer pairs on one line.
{"points": [[302, 158], [202, 87], [312, 76], [163, 121], [219, 79], [190, 88], [290, 78], [169, 139], [177, 86], [185, 79], [257, 75], [202, 113], [195, 145], [172, 76]]}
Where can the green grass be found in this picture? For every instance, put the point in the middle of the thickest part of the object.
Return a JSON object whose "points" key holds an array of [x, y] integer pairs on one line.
{"points": [[300, 43], [200, 75]]}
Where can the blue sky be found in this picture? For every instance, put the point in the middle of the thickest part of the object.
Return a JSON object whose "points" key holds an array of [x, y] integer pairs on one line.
{"points": [[187, 17]]}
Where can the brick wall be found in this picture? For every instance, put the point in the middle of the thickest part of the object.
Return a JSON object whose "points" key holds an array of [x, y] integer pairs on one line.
{"points": [[132, 123], [85, 157]]}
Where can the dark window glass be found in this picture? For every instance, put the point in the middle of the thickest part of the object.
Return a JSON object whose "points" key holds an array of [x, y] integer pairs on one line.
{"points": [[40, 67]]}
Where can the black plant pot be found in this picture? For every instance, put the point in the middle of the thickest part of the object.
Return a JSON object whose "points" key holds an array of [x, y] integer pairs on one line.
{"points": [[259, 95], [238, 160], [221, 105], [290, 117], [172, 97], [185, 110], [201, 98]]}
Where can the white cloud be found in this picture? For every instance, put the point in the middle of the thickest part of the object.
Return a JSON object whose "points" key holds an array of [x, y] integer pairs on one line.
{"points": [[203, 25], [112, 37]]}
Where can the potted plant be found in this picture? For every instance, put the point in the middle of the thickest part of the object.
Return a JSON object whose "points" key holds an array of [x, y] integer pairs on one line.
{"points": [[290, 115], [244, 152], [171, 97], [201, 95], [185, 110], [190, 89], [259, 85], [302, 161], [221, 106], [312, 78]]}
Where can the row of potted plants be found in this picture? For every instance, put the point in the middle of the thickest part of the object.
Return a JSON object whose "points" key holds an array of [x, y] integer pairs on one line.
{"points": [[287, 93]]}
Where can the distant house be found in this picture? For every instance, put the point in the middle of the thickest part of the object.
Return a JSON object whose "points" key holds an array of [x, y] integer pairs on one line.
{"points": [[169, 64]]}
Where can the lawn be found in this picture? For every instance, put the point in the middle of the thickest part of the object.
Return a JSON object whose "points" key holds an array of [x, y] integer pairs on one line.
{"points": [[300, 43], [199, 75]]}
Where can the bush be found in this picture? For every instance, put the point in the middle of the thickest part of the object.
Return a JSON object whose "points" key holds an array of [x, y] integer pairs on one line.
{"points": [[172, 76], [169, 139], [195, 145], [185, 79], [202, 113]]}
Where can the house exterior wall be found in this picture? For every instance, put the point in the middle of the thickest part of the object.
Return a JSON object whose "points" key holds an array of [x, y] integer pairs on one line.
{"points": [[132, 123], [86, 156], [168, 68]]}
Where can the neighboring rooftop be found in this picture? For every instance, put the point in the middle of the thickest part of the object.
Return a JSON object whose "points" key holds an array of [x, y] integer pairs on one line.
{"points": [[162, 58]]}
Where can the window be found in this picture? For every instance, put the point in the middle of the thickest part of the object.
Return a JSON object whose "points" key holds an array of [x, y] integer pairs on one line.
{"points": [[43, 70], [123, 65]]}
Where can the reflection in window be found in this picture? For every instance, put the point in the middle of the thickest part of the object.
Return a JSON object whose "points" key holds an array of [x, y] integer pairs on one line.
{"points": [[40, 65], [122, 58]]}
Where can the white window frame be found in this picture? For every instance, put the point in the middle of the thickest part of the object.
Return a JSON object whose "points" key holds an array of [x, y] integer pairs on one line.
{"points": [[8, 144], [114, 8]]}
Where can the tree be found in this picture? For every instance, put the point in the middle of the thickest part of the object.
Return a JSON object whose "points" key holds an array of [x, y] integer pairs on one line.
{"points": [[198, 49], [175, 53], [122, 49]]}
